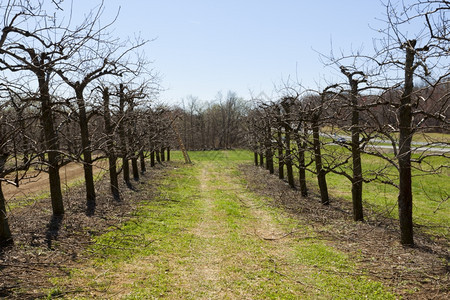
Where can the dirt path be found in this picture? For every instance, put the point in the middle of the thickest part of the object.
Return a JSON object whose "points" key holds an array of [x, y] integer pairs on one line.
{"points": [[207, 261], [40, 184], [224, 241], [208, 271], [207, 236]]}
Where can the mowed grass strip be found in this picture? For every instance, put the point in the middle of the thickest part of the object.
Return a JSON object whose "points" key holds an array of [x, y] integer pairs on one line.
{"points": [[205, 237]]}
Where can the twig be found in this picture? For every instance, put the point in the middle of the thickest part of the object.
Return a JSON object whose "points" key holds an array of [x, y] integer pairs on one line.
{"points": [[279, 238]]}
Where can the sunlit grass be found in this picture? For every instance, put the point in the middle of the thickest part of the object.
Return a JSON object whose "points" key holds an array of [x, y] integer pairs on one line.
{"points": [[430, 185], [421, 137], [197, 220]]}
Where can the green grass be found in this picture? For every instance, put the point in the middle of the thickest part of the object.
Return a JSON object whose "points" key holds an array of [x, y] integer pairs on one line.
{"points": [[431, 208], [418, 137], [196, 239], [429, 211]]}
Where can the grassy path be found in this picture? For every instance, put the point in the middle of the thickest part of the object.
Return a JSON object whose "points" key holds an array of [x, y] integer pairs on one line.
{"points": [[206, 236]]}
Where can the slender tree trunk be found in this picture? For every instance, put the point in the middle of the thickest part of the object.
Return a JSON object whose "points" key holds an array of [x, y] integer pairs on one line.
{"points": [[123, 139], [126, 170], [51, 141], [87, 153], [25, 142], [152, 158], [321, 174], [134, 167], [256, 158], [261, 159], [301, 145], [168, 153], [357, 179], [163, 158], [286, 121], [132, 144], [114, 181], [269, 152], [112, 159], [288, 160], [5, 232], [158, 156], [280, 154], [142, 160], [405, 198], [269, 160]]}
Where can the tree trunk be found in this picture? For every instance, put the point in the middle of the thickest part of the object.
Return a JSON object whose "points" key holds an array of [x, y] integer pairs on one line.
{"points": [[256, 158], [122, 136], [114, 181], [321, 174], [87, 153], [51, 143], [163, 158], [286, 121], [142, 161], [280, 155], [269, 153], [261, 159], [357, 179], [25, 142], [269, 161], [301, 145], [168, 153], [112, 159], [158, 157], [134, 167], [405, 200], [5, 232], [288, 160], [152, 158], [126, 170]]}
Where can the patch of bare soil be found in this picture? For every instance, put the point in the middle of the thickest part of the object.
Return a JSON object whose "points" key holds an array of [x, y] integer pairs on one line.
{"points": [[40, 183], [206, 262], [206, 273], [423, 269], [45, 247]]}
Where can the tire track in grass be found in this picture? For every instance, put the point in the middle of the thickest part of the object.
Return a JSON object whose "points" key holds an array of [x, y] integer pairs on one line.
{"points": [[232, 260], [245, 250], [214, 239], [203, 273]]}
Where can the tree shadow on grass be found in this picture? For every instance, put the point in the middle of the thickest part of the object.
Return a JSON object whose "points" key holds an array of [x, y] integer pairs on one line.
{"points": [[131, 186], [53, 228], [90, 208]]}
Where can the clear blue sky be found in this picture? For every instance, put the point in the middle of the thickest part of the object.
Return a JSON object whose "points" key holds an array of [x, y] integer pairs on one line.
{"points": [[202, 47]]}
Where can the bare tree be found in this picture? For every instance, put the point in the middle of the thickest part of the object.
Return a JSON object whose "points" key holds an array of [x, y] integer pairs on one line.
{"points": [[36, 49], [286, 108], [18, 151], [18, 57], [421, 55], [97, 56], [355, 78], [111, 151]]}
